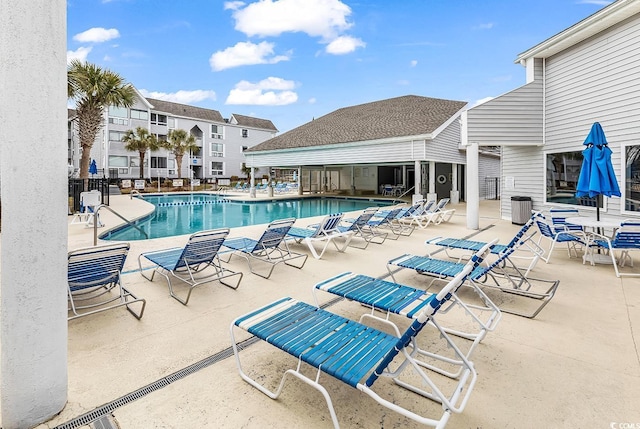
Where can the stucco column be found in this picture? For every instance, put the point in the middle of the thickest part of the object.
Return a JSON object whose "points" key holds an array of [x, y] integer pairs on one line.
{"points": [[252, 181], [33, 176], [431, 195], [299, 181], [473, 187], [455, 193], [417, 182]]}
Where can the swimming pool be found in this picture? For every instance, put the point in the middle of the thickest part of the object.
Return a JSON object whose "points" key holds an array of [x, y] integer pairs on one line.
{"points": [[178, 214]]}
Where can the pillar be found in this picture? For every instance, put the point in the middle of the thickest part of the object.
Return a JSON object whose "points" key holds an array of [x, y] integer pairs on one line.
{"points": [[33, 177], [432, 195], [252, 182], [417, 182], [473, 187], [455, 193]]}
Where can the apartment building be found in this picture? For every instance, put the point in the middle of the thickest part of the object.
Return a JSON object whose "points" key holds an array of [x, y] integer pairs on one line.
{"points": [[221, 141]]}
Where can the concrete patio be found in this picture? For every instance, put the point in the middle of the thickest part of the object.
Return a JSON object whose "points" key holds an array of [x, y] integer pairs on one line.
{"points": [[576, 365]]}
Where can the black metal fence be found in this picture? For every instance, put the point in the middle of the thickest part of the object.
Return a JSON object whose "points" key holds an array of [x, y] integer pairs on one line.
{"points": [[76, 186], [492, 188]]}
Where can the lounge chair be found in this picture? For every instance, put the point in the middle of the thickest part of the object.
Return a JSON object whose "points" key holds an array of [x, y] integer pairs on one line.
{"points": [[444, 214], [625, 240], [500, 274], [573, 239], [271, 247], [361, 229], [358, 355], [196, 263], [523, 240], [387, 221], [325, 232], [94, 281], [423, 215], [386, 298]]}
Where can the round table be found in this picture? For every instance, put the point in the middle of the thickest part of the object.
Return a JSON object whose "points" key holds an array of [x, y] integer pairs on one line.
{"points": [[598, 226]]}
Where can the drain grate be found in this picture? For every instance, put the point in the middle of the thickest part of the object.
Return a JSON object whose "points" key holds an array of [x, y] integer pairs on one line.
{"points": [[103, 410]]}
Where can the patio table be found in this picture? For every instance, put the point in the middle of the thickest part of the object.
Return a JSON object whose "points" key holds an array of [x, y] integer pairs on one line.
{"points": [[594, 225]]}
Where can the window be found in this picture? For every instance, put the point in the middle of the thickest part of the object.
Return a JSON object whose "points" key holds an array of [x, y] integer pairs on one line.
{"points": [[217, 132], [245, 133], [158, 119], [158, 162], [116, 136], [134, 161], [217, 150], [631, 191], [118, 112], [139, 114], [217, 168], [244, 148], [562, 172], [161, 137], [171, 164], [118, 121], [118, 161]]}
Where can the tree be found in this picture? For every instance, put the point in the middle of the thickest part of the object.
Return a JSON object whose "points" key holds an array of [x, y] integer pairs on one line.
{"points": [[180, 142], [94, 89], [140, 140]]}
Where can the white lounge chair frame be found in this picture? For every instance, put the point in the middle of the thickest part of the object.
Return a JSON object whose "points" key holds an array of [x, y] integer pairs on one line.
{"points": [[324, 233], [196, 263]]}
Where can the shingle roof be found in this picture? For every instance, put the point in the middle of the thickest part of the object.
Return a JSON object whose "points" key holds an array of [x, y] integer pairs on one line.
{"points": [[185, 110], [248, 121], [408, 115]]}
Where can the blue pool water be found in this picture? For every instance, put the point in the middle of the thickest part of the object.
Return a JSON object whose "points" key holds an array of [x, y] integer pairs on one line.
{"points": [[178, 214]]}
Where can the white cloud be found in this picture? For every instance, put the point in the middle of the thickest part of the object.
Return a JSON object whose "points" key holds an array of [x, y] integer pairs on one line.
{"points": [[413, 63], [233, 5], [182, 96], [245, 53], [316, 18], [312, 100], [486, 26], [344, 45], [272, 91], [96, 35], [79, 54], [596, 2]]}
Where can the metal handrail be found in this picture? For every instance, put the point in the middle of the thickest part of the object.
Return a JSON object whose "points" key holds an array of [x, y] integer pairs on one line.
{"points": [[95, 222], [406, 192]]}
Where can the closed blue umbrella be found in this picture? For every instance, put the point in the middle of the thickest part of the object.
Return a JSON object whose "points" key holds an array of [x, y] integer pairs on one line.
{"points": [[596, 175], [93, 168]]}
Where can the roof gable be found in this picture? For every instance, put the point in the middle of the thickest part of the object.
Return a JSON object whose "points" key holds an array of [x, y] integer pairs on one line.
{"points": [[408, 115], [184, 110], [250, 122]]}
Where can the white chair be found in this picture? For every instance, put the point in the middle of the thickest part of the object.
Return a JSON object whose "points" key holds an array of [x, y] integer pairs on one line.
{"points": [[89, 202]]}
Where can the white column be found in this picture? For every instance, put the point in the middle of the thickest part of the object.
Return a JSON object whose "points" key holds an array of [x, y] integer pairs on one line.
{"points": [[473, 187], [353, 180], [33, 164], [299, 181], [417, 182], [432, 195], [455, 193], [252, 180]]}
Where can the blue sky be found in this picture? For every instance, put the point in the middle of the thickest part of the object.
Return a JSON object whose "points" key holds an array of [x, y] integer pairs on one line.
{"points": [[294, 60]]}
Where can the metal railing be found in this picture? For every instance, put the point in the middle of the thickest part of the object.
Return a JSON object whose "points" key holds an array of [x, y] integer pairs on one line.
{"points": [[96, 222]]}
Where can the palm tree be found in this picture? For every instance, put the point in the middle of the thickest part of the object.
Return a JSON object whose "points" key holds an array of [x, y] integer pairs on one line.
{"points": [[94, 89], [180, 142], [140, 140]]}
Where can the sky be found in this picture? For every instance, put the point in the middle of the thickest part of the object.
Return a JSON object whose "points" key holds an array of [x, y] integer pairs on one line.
{"points": [[291, 61]]}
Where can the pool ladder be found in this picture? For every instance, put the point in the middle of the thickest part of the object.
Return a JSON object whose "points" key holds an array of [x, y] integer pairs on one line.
{"points": [[96, 222]]}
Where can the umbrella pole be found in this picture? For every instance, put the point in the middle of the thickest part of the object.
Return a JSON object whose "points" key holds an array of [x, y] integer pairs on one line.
{"points": [[598, 202]]}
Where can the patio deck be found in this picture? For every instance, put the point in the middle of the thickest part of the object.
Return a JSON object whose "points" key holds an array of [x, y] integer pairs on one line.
{"points": [[575, 365]]}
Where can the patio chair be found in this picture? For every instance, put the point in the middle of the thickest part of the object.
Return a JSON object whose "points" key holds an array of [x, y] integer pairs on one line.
{"points": [[196, 263], [500, 274], [523, 240], [444, 214], [270, 248], [361, 229], [357, 355], [385, 298], [325, 232], [387, 221], [94, 281], [558, 219], [625, 240], [572, 239]]}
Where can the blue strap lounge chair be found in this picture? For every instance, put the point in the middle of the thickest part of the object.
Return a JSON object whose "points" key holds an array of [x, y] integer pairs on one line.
{"points": [[385, 298], [357, 355], [270, 248], [422, 216], [625, 240], [386, 221], [499, 274], [196, 263], [324, 233], [523, 240], [361, 229], [94, 281], [559, 219]]}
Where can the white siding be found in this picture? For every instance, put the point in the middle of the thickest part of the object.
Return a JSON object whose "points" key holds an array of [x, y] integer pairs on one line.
{"points": [[525, 165]]}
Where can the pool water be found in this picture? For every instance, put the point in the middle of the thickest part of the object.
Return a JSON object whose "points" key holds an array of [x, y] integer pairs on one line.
{"points": [[188, 213]]}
